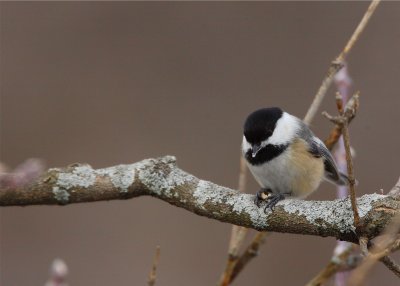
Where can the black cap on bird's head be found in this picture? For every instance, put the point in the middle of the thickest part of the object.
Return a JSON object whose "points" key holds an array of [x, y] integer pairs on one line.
{"points": [[260, 124]]}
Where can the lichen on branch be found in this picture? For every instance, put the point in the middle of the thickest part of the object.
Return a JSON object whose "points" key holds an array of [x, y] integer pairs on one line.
{"points": [[161, 178]]}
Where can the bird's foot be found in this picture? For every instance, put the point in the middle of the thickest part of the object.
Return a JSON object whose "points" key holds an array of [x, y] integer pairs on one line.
{"points": [[273, 200], [262, 195], [269, 197]]}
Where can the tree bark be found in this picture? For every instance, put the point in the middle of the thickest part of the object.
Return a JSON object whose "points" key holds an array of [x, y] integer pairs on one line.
{"points": [[161, 178]]}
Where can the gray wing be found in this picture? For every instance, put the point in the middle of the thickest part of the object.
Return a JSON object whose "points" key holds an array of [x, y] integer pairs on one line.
{"points": [[332, 174]]}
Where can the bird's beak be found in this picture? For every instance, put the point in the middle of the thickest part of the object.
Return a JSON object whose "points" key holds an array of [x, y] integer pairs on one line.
{"points": [[255, 150]]}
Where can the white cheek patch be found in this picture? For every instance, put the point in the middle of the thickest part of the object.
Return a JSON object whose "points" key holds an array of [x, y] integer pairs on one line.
{"points": [[285, 130], [245, 145]]}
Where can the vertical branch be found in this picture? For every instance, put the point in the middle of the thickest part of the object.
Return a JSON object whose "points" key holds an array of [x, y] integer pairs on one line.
{"points": [[350, 173], [347, 110], [343, 249], [343, 121]]}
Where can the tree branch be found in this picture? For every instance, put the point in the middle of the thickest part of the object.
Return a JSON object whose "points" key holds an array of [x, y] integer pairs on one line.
{"points": [[337, 63], [250, 252], [343, 121], [339, 261], [161, 178]]}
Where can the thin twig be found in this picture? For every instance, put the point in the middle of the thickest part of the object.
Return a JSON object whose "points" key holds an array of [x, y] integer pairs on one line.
{"points": [[235, 263], [389, 242], [250, 252], [350, 112], [153, 272], [337, 64], [360, 28], [391, 265], [342, 120], [343, 84], [338, 262], [350, 173], [379, 251]]}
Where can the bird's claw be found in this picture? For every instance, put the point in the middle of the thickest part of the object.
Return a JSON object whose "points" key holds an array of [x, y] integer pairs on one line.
{"points": [[261, 196], [270, 198]]}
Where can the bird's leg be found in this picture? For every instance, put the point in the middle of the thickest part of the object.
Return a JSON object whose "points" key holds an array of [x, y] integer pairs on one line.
{"points": [[262, 195], [270, 198], [273, 199]]}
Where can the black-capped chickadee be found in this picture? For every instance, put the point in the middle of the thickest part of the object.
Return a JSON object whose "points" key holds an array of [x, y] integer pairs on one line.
{"points": [[285, 157]]}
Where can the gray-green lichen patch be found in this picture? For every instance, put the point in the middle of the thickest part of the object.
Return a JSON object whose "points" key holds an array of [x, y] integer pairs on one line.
{"points": [[207, 192], [121, 176], [162, 176], [338, 212], [81, 176], [61, 195]]}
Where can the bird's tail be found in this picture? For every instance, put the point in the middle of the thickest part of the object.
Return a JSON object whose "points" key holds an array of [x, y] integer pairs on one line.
{"points": [[343, 179]]}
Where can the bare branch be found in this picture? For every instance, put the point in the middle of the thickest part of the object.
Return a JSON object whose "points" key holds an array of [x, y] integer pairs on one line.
{"points": [[350, 112], [337, 64], [343, 84], [339, 262], [161, 178], [249, 253], [379, 251], [391, 265], [342, 121], [360, 28], [350, 173]]}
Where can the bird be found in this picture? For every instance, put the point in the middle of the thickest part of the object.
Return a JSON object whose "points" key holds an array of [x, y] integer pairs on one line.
{"points": [[285, 157]]}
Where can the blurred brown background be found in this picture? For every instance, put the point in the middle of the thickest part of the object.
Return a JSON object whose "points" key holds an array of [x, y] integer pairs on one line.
{"points": [[111, 83]]}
